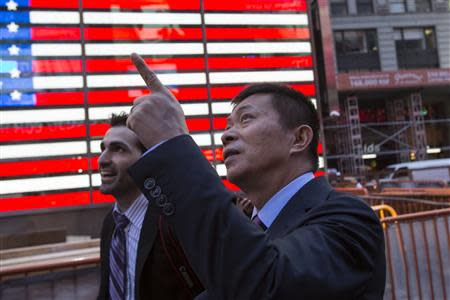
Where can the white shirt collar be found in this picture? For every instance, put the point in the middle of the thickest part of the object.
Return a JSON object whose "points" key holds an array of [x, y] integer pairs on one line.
{"points": [[135, 211]]}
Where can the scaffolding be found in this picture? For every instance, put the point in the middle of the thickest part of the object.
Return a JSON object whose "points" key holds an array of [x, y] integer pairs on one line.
{"points": [[419, 135], [348, 139], [396, 111], [402, 134]]}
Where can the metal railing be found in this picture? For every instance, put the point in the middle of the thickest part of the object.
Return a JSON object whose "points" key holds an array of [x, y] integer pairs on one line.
{"points": [[409, 203], [49, 265], [418, 255], [51, 272], [382, 209]]}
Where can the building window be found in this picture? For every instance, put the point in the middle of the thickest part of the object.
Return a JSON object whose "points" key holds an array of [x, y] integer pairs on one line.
{"points": [[422, 6], [408, 6], [364, 7], [397, 6], [416, 48], [361, 41], [339, 8], [415, 38], [357, 50]]}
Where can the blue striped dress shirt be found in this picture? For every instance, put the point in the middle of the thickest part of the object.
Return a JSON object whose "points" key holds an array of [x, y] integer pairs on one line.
{"points": [[136, 214]]}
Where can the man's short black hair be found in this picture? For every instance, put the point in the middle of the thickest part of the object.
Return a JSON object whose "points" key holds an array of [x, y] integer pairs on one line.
{"points": [[293, 108], [120, 119]]}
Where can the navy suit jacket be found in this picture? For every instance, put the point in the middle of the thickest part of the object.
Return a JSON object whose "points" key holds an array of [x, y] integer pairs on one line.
{"points": [[322, 245]]}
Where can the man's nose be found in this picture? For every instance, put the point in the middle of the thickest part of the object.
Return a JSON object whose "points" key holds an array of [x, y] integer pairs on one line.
{"points": [[228, 136], [104, 159]]}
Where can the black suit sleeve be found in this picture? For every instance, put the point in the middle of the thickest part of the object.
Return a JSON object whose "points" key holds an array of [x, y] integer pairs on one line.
{"points": [[328, 257]]}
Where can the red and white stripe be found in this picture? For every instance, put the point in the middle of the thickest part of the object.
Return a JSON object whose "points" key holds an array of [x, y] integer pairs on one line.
{"points": [[46, 153]]}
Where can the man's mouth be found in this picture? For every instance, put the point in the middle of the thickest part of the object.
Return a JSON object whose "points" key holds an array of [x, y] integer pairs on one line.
{"points": [[227, 153], [107, 175]]}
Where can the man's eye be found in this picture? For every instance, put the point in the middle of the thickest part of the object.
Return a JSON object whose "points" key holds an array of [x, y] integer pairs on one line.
{"points": [[117, 149], [246, 117]]}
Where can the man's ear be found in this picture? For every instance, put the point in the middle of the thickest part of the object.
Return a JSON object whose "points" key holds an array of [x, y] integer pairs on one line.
{"points": [[303, 135]]}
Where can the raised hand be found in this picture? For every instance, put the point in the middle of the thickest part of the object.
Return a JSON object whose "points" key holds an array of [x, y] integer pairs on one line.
{"points": [[158, 116]]}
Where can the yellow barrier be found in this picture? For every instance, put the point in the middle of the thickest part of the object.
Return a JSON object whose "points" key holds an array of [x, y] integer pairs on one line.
{"points": [[384, 207]]}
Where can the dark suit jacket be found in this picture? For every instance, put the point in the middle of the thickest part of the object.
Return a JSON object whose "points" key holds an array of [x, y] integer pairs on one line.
{"points": [[323, 244], [154, 278]]}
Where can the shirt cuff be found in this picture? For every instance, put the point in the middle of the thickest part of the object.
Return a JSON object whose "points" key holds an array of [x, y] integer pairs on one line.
{"points": [[154, 147]]}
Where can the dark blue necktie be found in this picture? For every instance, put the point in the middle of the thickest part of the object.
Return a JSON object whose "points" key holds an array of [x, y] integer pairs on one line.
{"points": [[256, 220], [118, 259]]}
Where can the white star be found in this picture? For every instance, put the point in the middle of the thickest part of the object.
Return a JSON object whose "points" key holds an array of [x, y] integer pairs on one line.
{"points": [[15, 73], [16, 95], [13, 50], [12, 27], [11, 5]]}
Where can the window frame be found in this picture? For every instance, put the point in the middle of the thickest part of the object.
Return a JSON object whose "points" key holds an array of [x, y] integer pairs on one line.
{"points": [[363, 57], [411, 56], [423, 31], [409, 7], [365, 40], [372, 9], [341, 2]]}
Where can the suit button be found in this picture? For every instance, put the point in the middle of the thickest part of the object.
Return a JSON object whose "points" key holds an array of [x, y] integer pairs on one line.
{"points": [[149, 183], [168, 209], [156, 192], [161, 200]]}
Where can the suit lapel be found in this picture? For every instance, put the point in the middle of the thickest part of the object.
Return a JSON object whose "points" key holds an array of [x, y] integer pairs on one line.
{"points": [[309, 196], [147, 237]]}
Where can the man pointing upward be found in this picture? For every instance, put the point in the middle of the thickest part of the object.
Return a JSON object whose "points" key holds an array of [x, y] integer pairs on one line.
{"points": [[159, 105], [310, 243]]}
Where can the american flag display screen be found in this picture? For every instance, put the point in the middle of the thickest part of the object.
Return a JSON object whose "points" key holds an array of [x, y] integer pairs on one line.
{"points": [[65, 68]]}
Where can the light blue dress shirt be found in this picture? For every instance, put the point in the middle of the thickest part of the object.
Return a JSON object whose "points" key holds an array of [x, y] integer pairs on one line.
{"points": [[273, 207], [136, 214]]}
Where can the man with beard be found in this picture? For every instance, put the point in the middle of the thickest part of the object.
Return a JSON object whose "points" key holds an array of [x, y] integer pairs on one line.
{"points": [[140, 258]]}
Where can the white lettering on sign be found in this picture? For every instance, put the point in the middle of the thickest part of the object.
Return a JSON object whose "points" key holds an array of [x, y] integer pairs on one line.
{"points": [[371, 148], [439, 76], [369, 80], [407, 78]]}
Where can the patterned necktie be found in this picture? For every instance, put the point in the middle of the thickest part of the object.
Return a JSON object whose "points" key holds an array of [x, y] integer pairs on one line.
{"points": [[118, 259], [257, 221]]}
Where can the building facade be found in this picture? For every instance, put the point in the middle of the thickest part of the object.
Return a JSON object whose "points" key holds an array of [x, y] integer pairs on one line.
{"points": [[391, 66]]}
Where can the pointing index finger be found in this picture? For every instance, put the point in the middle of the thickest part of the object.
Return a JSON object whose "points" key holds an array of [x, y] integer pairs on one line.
{"points": [[150, 78]]}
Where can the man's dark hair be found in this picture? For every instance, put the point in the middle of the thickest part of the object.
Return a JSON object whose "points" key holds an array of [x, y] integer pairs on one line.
{"points": [[293, 108], [120, 119]]}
